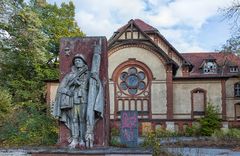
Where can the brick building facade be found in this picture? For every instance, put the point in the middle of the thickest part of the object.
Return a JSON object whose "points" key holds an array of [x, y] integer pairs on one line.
{"points": [[168, 89]]}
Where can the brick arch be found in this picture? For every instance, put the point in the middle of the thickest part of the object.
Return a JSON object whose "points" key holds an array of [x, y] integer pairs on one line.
{"points": [[132, 62], [140, 100], [204, 99]]}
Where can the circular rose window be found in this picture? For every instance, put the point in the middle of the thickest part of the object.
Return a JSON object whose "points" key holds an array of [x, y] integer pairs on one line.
{"points": [[132, 80]]}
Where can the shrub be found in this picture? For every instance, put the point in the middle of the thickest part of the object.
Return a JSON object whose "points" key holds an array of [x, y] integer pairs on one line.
{"points": [[230, 135], [28, 126], [151, 140], [210, 122], [192, 131], [5, 104], [115, 134]]}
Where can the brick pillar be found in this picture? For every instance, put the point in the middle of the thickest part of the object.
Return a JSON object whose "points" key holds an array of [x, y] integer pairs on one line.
{"points": [[224, 108], [169, 93]]}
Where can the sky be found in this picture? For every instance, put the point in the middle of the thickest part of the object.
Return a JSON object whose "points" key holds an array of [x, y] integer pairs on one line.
{"points": [[189, 25]]}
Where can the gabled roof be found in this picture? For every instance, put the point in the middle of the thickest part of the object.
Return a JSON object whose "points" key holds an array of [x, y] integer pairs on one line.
{"points": [[223, 60], [141, 27], [148, 29]]}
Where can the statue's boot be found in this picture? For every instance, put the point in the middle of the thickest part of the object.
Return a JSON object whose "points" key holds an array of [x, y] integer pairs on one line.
{"points": [[82, 134], [73, 143], [75, 134]]}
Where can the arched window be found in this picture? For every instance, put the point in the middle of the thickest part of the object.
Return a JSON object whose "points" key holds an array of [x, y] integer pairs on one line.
{"points": [[198, 97], [132, 81], [237, 89], [237, 111]]}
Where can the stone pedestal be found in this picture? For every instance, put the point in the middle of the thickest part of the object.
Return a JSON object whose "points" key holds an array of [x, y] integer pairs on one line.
{"points": [[69, 47]]}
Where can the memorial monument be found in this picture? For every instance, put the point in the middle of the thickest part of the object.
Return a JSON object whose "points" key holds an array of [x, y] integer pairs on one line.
{"points": [[81, 103]]}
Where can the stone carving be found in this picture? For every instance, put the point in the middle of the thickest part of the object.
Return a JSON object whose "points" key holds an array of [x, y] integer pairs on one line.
{"points": [[79, 100], [95, 97]]}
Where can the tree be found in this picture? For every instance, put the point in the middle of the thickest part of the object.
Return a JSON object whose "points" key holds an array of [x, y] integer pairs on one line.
{"points": [[232, 14], [210, 122], [26, 53], [58, 22]]}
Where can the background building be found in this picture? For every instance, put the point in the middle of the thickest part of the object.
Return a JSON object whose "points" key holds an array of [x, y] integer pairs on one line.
{"points": [[168, 89]]}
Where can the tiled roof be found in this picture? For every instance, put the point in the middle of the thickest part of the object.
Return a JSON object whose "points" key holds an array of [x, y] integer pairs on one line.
{"points": [[142, 25], [223, 60]]}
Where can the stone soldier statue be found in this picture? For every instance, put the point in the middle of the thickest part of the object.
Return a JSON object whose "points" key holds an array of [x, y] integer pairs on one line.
{"points": [[71, 101]]}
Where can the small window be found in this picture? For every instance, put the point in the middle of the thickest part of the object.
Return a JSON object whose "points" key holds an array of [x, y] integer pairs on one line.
{"points": [[234, 69], [237, 89], [237, 111], [210, 68]]}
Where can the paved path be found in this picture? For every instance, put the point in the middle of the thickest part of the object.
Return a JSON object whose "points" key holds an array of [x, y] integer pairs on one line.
{"points": [[203, 152]]}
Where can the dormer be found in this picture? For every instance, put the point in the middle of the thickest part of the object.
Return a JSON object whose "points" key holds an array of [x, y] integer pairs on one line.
{"points": [[209, 65], [233, 69]]}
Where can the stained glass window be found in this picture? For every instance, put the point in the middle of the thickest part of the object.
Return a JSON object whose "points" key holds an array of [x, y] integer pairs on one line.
{"points": [[132, 80]]}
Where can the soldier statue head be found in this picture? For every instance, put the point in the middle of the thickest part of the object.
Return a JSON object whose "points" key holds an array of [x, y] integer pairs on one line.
{"points": [[78, 60]]}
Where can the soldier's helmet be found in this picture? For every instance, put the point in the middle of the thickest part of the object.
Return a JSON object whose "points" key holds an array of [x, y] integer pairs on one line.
{"points": [[79, 56]]}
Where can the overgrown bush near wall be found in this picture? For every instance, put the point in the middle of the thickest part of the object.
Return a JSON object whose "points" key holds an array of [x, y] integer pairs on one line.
{"points": [[227, 135], [192, 131], [210, 122], [151, 140], [114, 137], [207, 124]]}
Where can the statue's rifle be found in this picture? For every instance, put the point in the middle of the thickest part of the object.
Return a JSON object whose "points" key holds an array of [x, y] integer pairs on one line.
{"points": [[92, 94], [77, 76]]}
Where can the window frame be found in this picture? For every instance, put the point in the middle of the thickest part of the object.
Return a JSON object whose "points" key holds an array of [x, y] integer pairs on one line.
{"points": [[237, 90], [198, 113], [235, 110], [233, 69], [213, 70]]}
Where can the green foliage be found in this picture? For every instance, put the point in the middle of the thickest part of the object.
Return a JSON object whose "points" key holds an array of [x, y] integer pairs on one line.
{"points": [[115, 134], [192, 131], [210, 121], [28, 56], [115, 131], [5, 104], [161, 133], [205, 125], [227, 135], [27, 125], [151, 140], [232, 45], [58, 22]]}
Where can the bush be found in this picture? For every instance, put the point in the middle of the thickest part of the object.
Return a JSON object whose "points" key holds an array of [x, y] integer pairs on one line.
{"points": [[229, 135], [115, 134], [161, 133], [192, 131], [28, 126], [5, 104], [210, 122], [151, 140]]}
